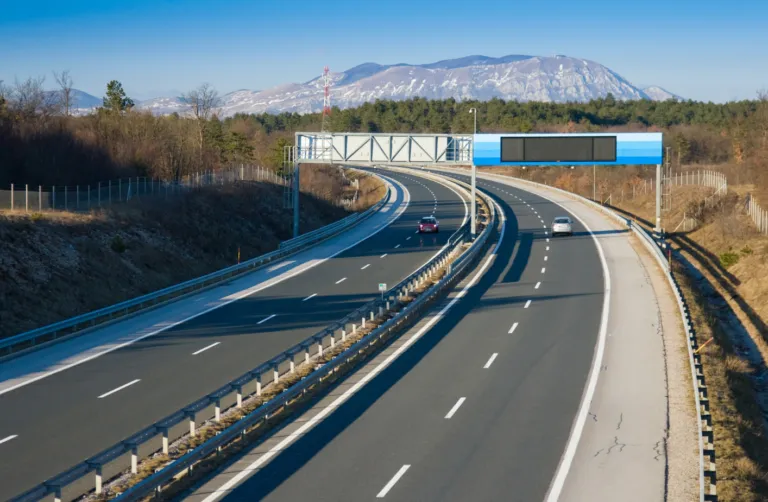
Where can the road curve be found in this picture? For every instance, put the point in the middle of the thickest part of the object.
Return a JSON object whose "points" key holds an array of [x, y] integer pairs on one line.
{"points": [[60, 420], [481, 406]]}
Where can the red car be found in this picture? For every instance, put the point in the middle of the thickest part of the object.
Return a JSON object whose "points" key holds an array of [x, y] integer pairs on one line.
{"points": [[429, 224]]}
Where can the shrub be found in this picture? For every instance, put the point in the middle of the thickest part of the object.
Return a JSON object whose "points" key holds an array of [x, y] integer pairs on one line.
{"points": [[746, 250], [118, 245], [729, 259]]}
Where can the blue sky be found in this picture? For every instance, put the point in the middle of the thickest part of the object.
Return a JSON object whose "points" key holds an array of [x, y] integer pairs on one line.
{"points": [[706, 49]]}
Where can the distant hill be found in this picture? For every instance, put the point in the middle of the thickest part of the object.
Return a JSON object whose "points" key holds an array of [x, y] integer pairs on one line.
{"points": [[514, 78]]}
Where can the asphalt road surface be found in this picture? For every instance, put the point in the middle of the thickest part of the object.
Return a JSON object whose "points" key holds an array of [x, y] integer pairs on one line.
{"points": [[482, 405], [63, 419]]}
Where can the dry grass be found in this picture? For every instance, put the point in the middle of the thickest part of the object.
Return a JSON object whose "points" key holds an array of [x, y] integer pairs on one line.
{"points": [[57, 265], [733, 257], [740, 443]]}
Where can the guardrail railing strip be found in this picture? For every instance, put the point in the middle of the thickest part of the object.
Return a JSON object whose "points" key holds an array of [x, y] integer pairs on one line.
{"points": [[705, 471], [87, 320], [161, 427]]}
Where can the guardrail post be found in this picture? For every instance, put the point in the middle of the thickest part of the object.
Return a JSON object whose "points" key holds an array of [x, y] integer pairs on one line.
{"points": [[320, 347], [275, 373], [258, 385], [165, 440], [57, 494], [192, 431], [362, 324], [240, 393], [354, 329], [372, 315], [98, 480], [293, 365], [134, 459], [333, 338], [343, 335], [306, 354], [381, 310]]}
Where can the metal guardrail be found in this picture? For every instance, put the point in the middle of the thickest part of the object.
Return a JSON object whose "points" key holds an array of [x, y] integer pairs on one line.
{"points": [[707, 468], [277, 367], [89, 320]]}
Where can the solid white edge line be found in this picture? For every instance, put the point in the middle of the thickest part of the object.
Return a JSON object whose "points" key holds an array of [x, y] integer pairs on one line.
{"points": [[455, 408], [233, 481], [558, 482], [250, 291], [527, 304], [490, 361], [5, 440], [513, 328], [341, 280], [365, 266], [309, 297], [395, 479], [119, 388], [266, 319], [205, 348]]}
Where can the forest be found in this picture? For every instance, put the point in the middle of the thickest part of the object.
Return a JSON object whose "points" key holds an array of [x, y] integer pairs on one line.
{"points": [[42, 143]]}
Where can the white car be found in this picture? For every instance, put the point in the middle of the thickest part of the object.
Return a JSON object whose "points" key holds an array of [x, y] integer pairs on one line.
{"points": [[562, 225]]}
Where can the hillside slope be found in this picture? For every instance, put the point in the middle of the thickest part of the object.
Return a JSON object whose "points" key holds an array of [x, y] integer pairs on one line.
{"points": [[57, 265]]}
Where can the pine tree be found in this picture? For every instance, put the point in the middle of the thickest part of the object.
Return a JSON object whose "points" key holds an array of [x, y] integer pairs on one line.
{"points": [[116, 101]]}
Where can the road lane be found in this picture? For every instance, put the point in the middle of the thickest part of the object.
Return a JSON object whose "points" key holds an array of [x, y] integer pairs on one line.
{"points": [[506, 439], [60, 421]]}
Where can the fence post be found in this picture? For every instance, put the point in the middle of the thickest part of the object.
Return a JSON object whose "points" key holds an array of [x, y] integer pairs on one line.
{"points": [[119, 189], [11, 196], [89, 197], [77, 197], [53, 197], [26, 198], [66, 202], [40, 198]]}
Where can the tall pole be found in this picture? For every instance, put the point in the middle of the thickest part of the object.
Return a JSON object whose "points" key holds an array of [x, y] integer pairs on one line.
{"points": [[658, 198], [295, 196], [473, 224], [594, 183]]}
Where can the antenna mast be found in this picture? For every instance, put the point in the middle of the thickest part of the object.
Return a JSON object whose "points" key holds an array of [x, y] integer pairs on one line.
{"points": [[326, 100]]}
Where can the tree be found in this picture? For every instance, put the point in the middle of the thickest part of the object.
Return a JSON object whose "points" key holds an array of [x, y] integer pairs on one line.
{"points": [[683, 147], [66, 92], [202, 103], [28, 99], [116, 101]]}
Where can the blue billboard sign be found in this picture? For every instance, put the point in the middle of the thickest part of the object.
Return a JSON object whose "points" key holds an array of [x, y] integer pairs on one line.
{"points": [[572, 149]]}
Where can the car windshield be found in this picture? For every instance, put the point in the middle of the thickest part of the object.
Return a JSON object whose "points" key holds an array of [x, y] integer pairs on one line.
{"points": [[562, 220], [427, 220]]}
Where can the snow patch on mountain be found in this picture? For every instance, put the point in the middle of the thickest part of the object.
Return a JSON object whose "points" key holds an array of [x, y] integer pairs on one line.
{"points": [[513, 78]]}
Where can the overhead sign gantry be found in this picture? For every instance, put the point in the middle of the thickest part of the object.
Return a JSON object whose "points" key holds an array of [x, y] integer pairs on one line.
{"points": [[368, 149]]}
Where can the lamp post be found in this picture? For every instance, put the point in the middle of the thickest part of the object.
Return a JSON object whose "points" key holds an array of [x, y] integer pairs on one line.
{"points": [[473, 225]]}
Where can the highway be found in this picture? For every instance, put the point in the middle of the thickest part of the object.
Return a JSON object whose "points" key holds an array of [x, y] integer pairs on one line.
{"points": [[481, 406], [58, 421]]}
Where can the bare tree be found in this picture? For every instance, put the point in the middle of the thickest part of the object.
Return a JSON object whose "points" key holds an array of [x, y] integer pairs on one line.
{"points": [[66, 92], [203, 102], [27, 98]]}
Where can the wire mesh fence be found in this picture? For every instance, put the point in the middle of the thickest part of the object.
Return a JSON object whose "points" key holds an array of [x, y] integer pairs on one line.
{"points": [[37, 198]]}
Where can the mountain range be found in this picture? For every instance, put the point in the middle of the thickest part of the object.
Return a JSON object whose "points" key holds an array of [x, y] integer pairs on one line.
{"points": [[512, 78]]}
